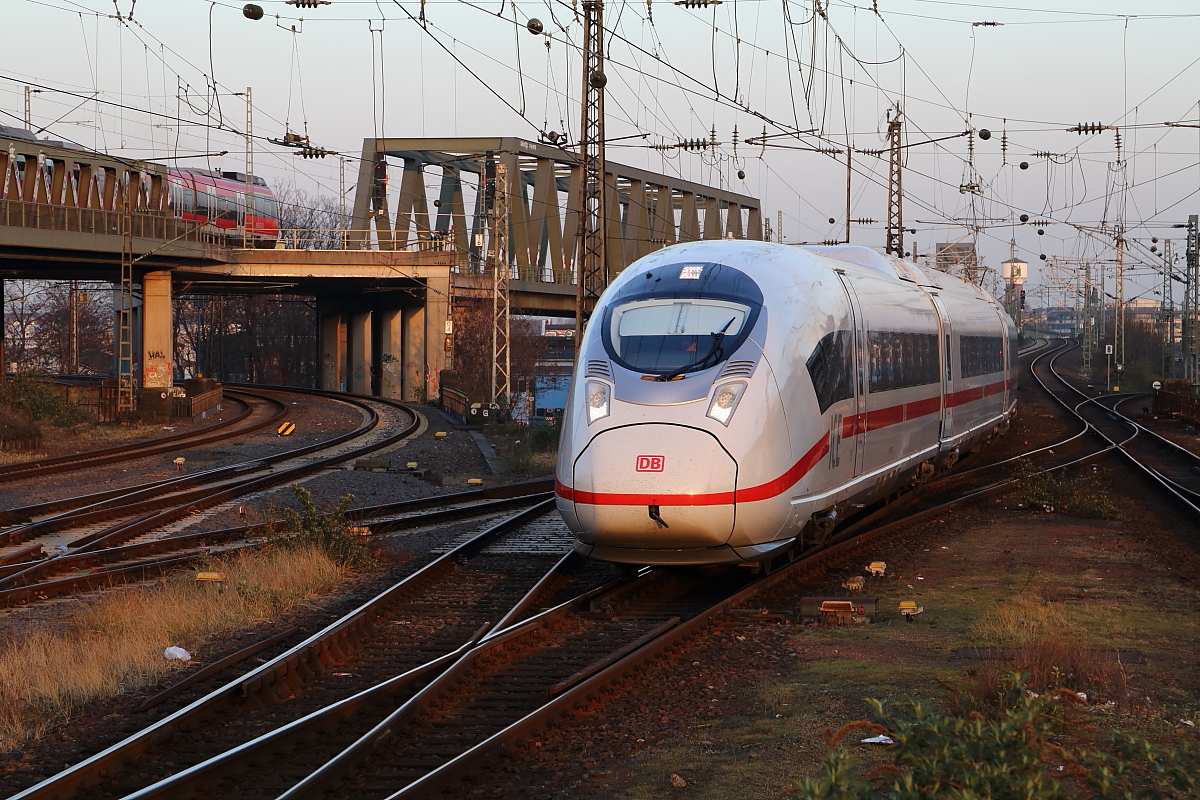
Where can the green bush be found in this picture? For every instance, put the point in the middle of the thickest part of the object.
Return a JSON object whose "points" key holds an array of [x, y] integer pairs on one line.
{"points": [[330, 531], [544, 438], [1078, 495], [1007, 753], [39, 400]]}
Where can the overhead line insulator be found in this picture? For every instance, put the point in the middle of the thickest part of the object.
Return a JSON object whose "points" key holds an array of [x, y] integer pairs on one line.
{"points": [[698, 3]]}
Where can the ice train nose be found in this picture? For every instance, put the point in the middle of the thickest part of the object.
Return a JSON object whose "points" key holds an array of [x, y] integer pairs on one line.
{"points": [[654, 486]]}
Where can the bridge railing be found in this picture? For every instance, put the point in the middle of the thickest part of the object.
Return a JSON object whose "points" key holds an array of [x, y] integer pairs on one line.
{"points": [[469, 262], [327, 239], [146, 224]]}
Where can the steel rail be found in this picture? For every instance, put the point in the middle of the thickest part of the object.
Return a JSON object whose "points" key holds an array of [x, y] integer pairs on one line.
{"points": [[605, 675], [143, 568], [610, 678], [303, 657], [1184, 496], [124, 531], [953, 479], [134, 450]]}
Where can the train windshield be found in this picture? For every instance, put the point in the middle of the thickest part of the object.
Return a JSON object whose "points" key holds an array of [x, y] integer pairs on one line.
{"points": [[662, 335], [661, 328]]}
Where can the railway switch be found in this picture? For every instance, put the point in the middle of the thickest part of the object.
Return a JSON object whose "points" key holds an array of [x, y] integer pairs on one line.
{"points": [[877, 568], [861, 610], [910, 609]]}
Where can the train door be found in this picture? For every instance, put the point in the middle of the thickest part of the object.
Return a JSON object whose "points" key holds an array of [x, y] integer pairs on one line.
{"points": [[944, 336], [856, 427]]}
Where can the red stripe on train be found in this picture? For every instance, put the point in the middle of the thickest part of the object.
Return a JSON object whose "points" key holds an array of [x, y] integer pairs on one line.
{"points": [[764, 491], [855, 424]]}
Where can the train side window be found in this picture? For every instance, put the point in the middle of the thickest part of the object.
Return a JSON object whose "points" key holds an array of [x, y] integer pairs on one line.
{"points": [[204, 203], [181, 198], [980, 355], [901, 360], [830, 366]]}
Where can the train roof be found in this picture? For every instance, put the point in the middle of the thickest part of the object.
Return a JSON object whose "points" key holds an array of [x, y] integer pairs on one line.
{"points": [[236, 177], [25, 135], [783, 260]]}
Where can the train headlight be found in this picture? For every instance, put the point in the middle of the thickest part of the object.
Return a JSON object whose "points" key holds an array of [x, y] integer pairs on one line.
{"points": [[725, 400], [598, 400]]}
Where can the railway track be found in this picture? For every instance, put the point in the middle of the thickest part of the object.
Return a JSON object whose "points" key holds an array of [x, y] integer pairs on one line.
{"points": [[542, 662], [137, 515], [395, 641], [992, 478], [217, 432], [1175, 469], [521, 673]]}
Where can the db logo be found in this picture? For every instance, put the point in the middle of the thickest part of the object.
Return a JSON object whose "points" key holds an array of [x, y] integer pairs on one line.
{"points": [[650, 463]]}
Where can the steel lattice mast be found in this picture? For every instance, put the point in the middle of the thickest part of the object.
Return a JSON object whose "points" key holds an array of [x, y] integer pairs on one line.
{"points": [[1190, 300], [1089, 312], [591, 263], [1166, 314], [501, 273], [895, 213], [1119, 310], [126, 380]]}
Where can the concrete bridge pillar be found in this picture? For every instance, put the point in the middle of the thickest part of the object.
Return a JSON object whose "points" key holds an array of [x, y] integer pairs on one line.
{"points": [[391, 354], [158, 331], [412, 368], [333, 352], [360, 353]]}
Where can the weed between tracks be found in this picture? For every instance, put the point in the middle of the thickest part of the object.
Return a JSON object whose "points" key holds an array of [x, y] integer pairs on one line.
{"points": [[116, 644], [526, 450], [1079, 495], [1043, 640]]}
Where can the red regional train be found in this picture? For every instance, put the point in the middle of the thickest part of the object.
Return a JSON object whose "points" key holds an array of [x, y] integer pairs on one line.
{"points": [[219, 198], [76, 177]]}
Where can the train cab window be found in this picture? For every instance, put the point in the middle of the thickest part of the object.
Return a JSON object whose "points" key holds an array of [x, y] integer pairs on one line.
{"points": [[899, 360], [980, 355], [266, 206], [667, 335], [679, 318], [831, 367]]}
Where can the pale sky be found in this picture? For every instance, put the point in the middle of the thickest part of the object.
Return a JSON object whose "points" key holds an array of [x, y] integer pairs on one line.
{"points": [[357, 68]]}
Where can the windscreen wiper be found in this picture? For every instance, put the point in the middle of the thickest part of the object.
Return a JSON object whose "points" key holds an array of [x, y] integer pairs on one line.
{"points": [[718, 337]]}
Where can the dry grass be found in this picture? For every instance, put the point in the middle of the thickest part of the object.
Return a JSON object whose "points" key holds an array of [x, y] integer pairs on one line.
{"points": [[119, 434], [18, 456], [116, 644], [1043, 639]]}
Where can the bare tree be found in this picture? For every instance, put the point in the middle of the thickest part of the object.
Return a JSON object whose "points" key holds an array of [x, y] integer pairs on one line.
{"points": [[310, 221], [93, 328], [254, 338], [473, 350], [23, 302]]}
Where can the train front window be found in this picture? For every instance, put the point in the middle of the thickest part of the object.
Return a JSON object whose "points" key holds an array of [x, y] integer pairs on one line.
{"points": [[669, 335]]}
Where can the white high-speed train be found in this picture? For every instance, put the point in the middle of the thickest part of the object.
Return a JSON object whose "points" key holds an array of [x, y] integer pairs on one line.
{"points": [[733, 398]]}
